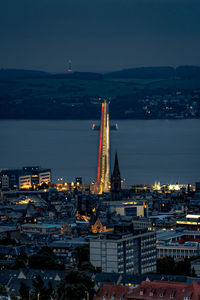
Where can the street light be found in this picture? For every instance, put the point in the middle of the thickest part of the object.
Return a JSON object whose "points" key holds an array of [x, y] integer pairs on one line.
{"points": [[87, 296]]}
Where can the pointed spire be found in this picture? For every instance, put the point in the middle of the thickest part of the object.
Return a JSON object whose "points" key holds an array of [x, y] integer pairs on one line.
{"points": [[116, 172], [116, 181]]}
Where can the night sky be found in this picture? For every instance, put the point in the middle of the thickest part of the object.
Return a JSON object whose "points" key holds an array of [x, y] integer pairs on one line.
{"points": [[98, 35]]}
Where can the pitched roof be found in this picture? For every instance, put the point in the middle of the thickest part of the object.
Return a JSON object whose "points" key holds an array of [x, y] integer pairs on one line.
{"points": [[166, 290], [107, 277], [118, 292], [116, 172]]}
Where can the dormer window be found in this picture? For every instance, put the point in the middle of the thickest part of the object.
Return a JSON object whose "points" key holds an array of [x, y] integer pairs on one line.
{"points": [[172, 294], [188, 295], [162, 293], [151, 292], [141, 292]]}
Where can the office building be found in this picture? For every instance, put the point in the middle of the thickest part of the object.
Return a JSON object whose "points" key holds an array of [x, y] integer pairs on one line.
{"points": [[124, 252], [24, 178], [128, 208], [178, 251], [190, 222]]}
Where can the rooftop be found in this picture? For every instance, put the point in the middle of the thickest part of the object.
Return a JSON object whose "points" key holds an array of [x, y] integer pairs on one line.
{"points": [[41, 225], [165, 235]]}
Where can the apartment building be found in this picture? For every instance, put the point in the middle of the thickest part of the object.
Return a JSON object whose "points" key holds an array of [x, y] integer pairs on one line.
{"points": [[124, 252]]}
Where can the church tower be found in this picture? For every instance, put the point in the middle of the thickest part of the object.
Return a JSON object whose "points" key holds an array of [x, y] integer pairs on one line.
{"points": [[116, 181]]}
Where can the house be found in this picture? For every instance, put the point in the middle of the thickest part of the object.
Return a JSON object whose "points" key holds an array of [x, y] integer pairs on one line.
{"points": [[117, 292], [165, 290]]}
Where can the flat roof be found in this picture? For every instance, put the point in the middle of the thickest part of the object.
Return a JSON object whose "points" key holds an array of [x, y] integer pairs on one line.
{"points": [[164, 235], [161, 216], [7, 228], [67, 243], [41, 225]]}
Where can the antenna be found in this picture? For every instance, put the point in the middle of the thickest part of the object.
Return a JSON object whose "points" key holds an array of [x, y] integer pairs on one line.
{"points": [[69, 66]]}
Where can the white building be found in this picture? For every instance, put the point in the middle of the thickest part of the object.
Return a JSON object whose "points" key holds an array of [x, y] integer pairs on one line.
{"points": [[178, 251], [124, 252]]}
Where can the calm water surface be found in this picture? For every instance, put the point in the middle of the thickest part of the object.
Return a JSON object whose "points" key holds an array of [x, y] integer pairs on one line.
{"points": [[159, 150]]}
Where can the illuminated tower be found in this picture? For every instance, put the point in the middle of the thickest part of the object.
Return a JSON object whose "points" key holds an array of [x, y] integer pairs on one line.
{"points": [[102, 183]]}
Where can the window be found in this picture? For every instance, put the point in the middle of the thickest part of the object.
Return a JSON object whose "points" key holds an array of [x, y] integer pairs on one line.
{"points": [[141, 292], [162, 293], [172, 294]]}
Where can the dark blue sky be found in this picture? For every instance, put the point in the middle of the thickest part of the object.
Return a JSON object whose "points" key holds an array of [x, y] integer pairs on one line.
{"points": [[98, 35]]}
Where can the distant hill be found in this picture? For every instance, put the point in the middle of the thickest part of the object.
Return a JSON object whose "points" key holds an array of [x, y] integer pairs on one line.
{"points": [[133, 94], [78, 76], [188, 72], [11, 74], [166, 72], [144, 73], [183, 72]]}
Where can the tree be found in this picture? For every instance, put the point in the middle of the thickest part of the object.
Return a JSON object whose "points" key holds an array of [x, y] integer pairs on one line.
{"points": [[50, 290], [87, 266], [183, 267], [7, 241], [45, 259], [22, 255], [45, 250], [37, 261], [19, 264], [165, 265], [193, 273], [76, 285], [3, 291], [81, 255], [24, 291], [13, 297], [40, 292]]}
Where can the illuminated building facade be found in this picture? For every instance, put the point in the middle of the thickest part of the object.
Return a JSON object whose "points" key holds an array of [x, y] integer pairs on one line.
{"points": [[102, 183], [98, 227], [129, 208], [24, 178], [190, 222], [38, 175]]}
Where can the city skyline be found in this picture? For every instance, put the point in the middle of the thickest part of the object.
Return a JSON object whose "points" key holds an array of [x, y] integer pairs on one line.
{"points": [[99, 170]]}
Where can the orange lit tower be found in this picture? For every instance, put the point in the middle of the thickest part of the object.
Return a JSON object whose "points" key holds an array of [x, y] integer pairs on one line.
{"points": [[102, 183]]}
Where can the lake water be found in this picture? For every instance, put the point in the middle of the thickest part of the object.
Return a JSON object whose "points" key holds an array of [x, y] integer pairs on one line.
{"points": [[153, 150]]}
